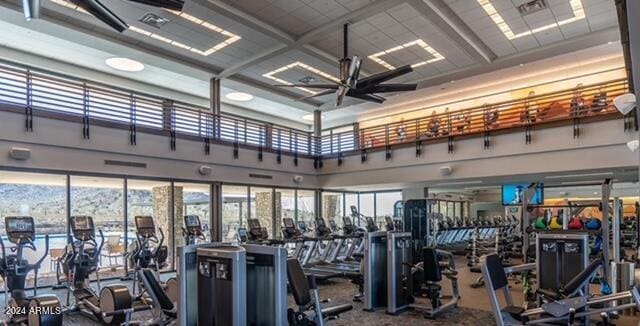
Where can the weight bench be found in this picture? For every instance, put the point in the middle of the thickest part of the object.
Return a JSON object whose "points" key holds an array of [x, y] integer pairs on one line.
{"points": [[165, 311], [305, 293], [571, 306]]}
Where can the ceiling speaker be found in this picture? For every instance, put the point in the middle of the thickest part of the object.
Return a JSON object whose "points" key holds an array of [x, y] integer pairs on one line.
{"points": [[625, 103], [20, 154], [205, 170], [445, 170]]}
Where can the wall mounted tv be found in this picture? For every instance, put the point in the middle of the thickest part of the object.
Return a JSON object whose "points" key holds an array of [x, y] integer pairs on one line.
{"points": [[512, 194]]}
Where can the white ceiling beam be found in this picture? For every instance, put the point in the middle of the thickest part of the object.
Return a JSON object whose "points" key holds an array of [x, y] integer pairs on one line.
{"points": [[439, 14], [267, 54]]}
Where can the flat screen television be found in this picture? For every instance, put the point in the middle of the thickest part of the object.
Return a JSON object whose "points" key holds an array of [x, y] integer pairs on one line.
{"points": [[512, 194]]}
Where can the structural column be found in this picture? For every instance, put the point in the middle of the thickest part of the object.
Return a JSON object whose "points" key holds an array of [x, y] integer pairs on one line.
{"points": [[633, 12], [214, 88], [216, 212], [317, 129]]}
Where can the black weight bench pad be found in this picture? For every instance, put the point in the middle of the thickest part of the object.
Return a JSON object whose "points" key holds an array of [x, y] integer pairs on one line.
{"points": [[301, 285], [165, 303]]}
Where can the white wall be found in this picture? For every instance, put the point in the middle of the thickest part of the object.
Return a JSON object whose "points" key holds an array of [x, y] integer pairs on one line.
{"points": [[602, 145], [58, 145]]}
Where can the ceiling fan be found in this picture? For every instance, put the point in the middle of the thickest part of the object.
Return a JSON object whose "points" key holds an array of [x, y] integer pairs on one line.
{"points": [[362, 88], [31, 10]]}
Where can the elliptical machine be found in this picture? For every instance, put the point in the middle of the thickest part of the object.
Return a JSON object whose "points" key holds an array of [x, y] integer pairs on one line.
{"points": [[148, 251], [22, 309], [192, 230], [114, 305]]}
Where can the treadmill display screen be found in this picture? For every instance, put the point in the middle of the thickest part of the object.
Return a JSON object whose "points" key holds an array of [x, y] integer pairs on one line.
{"points": [[20, 225], [320, 223], [347, 221], [288, 223], [192, 221], [82, 223], [254, 223], [242, 233], [145, 222]]}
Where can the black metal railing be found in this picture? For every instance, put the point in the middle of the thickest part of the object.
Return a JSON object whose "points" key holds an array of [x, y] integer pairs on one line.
{"points": [[91, 102], [59, 96]]}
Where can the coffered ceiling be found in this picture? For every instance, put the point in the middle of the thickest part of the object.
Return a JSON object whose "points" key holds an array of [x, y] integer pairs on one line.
{"points": [[259, 43]]}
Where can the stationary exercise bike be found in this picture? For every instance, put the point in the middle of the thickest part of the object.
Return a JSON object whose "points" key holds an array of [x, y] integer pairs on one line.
{"points": [[114, 306], [22, 309]]}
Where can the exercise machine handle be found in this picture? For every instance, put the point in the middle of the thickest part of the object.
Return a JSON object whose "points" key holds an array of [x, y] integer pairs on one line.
{"points": [[4, 255], [99, 248], [160, 242], [46, 252]]}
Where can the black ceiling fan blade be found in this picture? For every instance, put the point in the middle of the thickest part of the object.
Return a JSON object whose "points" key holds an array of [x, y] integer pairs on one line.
{"points": [[167, 4], [368, 97], [389, 88], [101, 12], [318, 86], [384, 76], [323, 93]]}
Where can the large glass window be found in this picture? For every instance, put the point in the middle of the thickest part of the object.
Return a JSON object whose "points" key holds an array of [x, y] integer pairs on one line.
{"points": [[306, 206], [350, 199], [191, 199], [262, 207], [366, 204], [332, 206], [42, 196], [234, 209], [385, 202], [285, 206], [145, 197], [103, 199]]}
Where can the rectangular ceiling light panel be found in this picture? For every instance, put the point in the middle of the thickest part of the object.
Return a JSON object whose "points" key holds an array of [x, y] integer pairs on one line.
{"points": [[436, 56], [576, 7], [298, 64], [231, 37]]}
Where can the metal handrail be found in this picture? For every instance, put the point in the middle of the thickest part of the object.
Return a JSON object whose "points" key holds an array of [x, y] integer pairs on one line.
{"points": [[62, 95], [597, 100]]}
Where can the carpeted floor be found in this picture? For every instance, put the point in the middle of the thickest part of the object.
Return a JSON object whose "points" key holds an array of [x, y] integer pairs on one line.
{"points": [[473, 308]]}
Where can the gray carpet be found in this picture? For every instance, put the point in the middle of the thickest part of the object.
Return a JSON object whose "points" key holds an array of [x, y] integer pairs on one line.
{"points": [[473, 308]]}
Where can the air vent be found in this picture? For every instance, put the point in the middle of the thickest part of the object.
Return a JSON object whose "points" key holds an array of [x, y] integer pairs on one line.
{"points": [[307, 80], [532, 6], [260, 176], [154, 20], [126, 163]]}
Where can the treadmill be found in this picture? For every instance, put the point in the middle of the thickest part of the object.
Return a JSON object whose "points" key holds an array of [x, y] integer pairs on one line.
{"points": [[324, 234], [292, 234]]}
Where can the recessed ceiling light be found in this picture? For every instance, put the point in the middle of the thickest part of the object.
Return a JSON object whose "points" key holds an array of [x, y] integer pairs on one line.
{"points": [[420, 43], [309, 117], [576, 7], [124, 64], [239, 96]]}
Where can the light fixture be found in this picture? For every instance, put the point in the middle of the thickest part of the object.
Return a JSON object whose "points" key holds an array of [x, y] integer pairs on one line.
{"points": [[625, 103], [124, 64], [231, 37], [633, 145], [239, 96], [31, 9], [578, 175], [436, 55], [298, 64], [459, 183], [309, 117], [576, 7]]}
